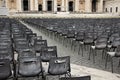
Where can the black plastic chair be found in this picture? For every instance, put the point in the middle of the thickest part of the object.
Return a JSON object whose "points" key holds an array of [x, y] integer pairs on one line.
{"points": [[34, 39], [99, 44], [111, 55], [29, 67], [39, 44], [59, 66], [48, 52]]}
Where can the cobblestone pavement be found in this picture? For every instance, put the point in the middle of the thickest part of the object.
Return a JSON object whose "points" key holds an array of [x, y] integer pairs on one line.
{"points": [[81, 66]]}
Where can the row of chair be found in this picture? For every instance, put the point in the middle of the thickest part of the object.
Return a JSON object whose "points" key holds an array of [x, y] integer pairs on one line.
{"points": [[22, 53], [90, 34]]}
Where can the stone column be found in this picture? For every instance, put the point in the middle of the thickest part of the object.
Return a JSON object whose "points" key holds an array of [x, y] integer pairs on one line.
{"points": [[36, 5], [88, 5], [55, 5], [63, 5], [100, 6], [19, 5], [44, 5], [77, 5], [31, 5], [66, 5], [6, 3]]}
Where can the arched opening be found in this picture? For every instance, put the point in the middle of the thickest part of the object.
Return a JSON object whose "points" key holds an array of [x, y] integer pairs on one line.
{"points": [[40, 7], [94, 5], [25, 5], [49, 5], [71, 6], [58, 8], [104, 3]]}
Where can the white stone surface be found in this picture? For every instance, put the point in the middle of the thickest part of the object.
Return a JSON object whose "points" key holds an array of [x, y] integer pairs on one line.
{"points": [[112, 4], [66, 15], [4, 11]]}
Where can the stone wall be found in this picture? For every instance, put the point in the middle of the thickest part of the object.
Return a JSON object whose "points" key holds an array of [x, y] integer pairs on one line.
{"points": [[112, 4], [79, 5]]}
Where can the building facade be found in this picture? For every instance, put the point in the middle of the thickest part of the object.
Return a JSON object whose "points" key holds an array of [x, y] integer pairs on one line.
{"points": [[61, 5]]}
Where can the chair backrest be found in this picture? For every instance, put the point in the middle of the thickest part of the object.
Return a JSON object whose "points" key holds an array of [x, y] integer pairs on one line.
{"points": [[5, 69], [29, 66], [15, 36], [6, 55], [27, 53], [29, 36], [19, 46], [59, 65], [115, 43], [48, 52], [35, 38], [39, 44], [39, 37]]}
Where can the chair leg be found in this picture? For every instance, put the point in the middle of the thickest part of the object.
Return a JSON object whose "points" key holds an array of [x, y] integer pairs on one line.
{"points": [[63, 41], [66, 43], [69, 74], [79, 49], [82, 49], [94, 53], [106, 61], [103, 53], [119, 63], [90, 53], [72, 44], [112, 64]]}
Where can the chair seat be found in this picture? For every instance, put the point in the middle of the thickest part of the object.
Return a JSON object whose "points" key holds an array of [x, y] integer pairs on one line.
{"points": [[93, 47], [88, 41], [46, 56], [100, 46], [112, 54]]}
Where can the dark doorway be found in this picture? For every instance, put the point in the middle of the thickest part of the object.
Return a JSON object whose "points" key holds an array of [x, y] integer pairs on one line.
{"points": [[49, 5], [25, 5], [58, 9], [40, 7], [94, 2], [71, 6]]}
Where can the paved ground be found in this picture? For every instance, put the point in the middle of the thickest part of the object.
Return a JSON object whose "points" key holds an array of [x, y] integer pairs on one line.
{"points": [[81, 65]]}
